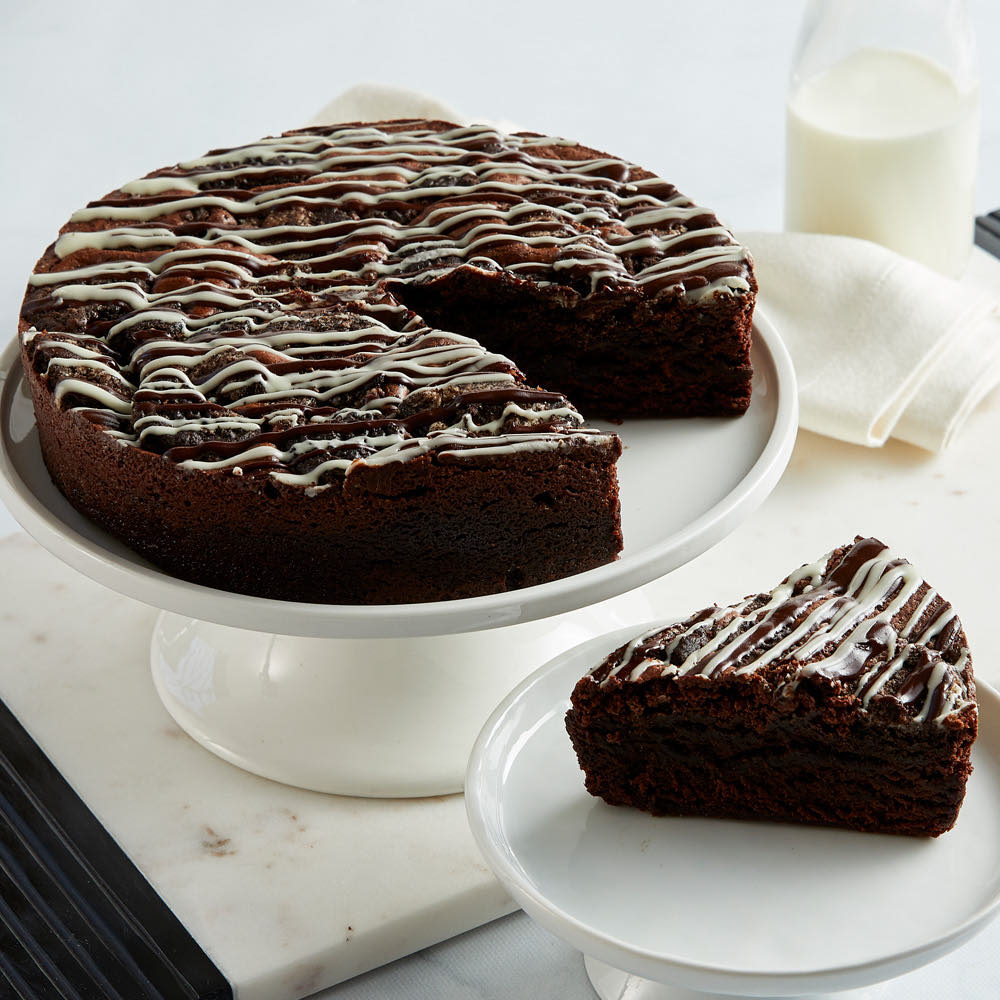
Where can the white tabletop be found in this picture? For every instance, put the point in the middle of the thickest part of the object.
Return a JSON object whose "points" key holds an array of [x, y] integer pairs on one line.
{"points": [[96, 94]]}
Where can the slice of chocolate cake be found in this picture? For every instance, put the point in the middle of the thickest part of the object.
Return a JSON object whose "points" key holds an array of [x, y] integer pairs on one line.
{"points": [[843, 697]]}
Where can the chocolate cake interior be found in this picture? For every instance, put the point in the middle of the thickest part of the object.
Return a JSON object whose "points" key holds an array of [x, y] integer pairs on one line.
{"points": [[612, 358]]}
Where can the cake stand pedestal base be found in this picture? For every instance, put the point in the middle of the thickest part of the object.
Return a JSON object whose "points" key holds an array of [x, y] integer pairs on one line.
{"points": [[613, 984], [387, 718]]}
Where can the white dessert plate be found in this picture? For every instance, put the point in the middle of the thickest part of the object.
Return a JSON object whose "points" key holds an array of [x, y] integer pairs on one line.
{"points": [[756, 909], [684, 485]]}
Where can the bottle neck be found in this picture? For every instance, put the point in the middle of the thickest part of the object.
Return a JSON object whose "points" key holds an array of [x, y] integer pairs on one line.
{"points": [[936, 30]]}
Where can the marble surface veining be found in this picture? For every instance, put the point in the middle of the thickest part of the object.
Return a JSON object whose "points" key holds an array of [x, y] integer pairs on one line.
{"points": [[287, 890]]}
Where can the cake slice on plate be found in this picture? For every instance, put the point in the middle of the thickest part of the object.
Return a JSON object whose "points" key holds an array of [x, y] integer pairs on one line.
{"points": [[844, 696]]}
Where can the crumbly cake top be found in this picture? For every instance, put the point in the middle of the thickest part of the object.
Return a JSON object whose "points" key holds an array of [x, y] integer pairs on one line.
{"points": [[860, 616], [235, 312]]}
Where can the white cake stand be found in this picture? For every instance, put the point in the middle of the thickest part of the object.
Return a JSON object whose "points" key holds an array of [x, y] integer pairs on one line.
{"points": [[677, 909], [387, 700]]}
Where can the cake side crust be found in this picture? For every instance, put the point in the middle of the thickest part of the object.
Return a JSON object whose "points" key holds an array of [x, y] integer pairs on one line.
{"points": [[683, 747], [423, 530]]}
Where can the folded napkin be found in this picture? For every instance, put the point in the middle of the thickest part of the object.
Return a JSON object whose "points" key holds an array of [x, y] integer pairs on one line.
{"points": [[882, 346]]}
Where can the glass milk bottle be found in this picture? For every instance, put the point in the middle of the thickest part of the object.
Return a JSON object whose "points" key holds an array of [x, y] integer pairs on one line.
{"points": [[883, 127]]}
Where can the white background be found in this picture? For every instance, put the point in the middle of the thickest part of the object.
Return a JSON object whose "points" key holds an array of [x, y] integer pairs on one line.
{"points": [[94, 94]]}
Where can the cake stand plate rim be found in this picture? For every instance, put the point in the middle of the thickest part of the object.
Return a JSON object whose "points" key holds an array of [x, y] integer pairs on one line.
{"points": [[45, 514], [530, 708]]}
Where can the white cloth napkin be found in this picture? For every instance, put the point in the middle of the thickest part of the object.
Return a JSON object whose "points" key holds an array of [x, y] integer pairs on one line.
{"points": [[882, 346], [372, 102]]}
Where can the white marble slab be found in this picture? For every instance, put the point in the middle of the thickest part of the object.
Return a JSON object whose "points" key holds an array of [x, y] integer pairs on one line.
{"points": [[287, 891]]}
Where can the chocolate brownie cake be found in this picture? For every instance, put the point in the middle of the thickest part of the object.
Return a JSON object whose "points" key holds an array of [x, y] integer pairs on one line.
{"points": [[281, 369], [844, 697]]}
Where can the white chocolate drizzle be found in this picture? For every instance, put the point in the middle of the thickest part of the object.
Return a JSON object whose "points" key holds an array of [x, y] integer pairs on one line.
{"points": [[861, 617], [236, 311]]}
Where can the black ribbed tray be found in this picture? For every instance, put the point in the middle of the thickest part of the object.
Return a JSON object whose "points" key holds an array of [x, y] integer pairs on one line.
{"points": [[988, 232], [77, 919]]}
